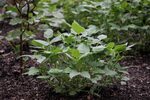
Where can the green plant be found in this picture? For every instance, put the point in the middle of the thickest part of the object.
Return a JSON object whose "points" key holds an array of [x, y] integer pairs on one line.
{"points": [[78, 61], [29, 17], [19, 12]]}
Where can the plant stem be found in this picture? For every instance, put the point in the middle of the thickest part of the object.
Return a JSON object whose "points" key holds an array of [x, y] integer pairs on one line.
{"points": [[21, 47], [21, 52], [21, 35], [28, 11]]}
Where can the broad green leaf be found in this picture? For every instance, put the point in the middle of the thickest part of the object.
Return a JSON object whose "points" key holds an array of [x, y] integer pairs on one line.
{"points": [[130, 46], [99, 71], [40, 58], [91, 30], [67, 70], [94, 41], [77, 28], [110, 72], [58, 15], [14, 34], [123, 71], [98, 48], [15, 21], [75, 53], [43, 77], [110, 45], [54, 71], [40, 43], [83, 48], [97, 78], [56, 50], [124, 28], [133, 26], [32, 71], [101, 37], [69, 39], [145, 27], [12, 9], [114, 27], [84, 55], [73, 73], [56, 39], [48, 33], [85, 74], [29, 34], [120, 48]]}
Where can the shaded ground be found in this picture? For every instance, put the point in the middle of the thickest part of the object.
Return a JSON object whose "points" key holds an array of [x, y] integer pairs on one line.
{"points": [[139, 73], [15, 86]]}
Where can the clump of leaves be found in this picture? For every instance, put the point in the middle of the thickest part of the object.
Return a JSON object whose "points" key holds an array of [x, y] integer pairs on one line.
{"points": [[79, 60]]}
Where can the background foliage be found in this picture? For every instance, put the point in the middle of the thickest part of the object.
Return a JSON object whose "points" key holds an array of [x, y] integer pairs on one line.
{"points": [[122, 20]]}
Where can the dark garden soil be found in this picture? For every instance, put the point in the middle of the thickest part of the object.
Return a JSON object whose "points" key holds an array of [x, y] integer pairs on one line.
{"points": [[16, 86]]}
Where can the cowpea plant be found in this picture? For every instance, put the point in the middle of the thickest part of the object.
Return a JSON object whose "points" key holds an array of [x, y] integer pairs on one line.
{"points": [[78, 61]]}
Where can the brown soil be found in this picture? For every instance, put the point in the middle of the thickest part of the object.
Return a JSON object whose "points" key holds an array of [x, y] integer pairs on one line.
{"points": [[16, 86]]}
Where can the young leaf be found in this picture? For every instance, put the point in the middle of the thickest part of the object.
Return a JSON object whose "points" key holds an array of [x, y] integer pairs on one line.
{"points": [[101, 37], [77, 28], [54, 71], [43, 77], [75, 53], [98, 48], [99, 71], [85, 74], [110, 72], [15, 21], [91, 30], [58, 15], [32, 71], [40, 58], [110, 45], [56, 39], [83, 48], [48, 33], [67, 70], [120, 48], [73, 73], [39, 43], [97, 78], [13, 34]]}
